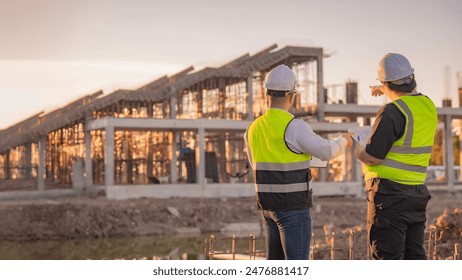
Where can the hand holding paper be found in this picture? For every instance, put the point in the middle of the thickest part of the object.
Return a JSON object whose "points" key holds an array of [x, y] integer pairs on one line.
{"points": [[360, 134], [348, 137]]}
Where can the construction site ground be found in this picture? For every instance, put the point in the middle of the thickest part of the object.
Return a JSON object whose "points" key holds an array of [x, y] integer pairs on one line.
{"points": [[94, 216]]}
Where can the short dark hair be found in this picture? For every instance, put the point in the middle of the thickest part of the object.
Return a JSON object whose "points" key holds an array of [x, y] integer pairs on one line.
{"points": [[277, 93], [404, 87]]}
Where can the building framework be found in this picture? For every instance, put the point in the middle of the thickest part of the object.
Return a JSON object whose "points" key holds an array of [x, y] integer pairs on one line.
{"points": [[183, 134]]}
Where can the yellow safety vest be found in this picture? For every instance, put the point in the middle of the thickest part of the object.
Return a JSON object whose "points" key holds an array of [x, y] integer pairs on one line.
{"points": [[406, 162], [281, 175]]}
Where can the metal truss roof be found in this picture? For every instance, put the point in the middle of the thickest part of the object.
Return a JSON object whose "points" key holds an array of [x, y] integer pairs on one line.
{"points": [[164, 87]]}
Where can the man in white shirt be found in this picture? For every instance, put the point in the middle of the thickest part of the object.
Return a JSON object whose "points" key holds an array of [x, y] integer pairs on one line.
{"points": [[280, 148]]}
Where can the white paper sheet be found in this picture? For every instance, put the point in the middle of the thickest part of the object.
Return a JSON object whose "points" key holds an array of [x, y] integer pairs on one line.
{"points": [[361, 134]]}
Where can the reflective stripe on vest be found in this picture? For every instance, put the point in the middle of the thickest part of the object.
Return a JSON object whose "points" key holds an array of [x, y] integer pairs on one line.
{"points": [[290, 166], [408, 158], [282, 188]]}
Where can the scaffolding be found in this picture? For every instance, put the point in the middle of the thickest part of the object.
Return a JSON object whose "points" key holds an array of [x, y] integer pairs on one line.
{"points": [[63, 147], [185, 128]]}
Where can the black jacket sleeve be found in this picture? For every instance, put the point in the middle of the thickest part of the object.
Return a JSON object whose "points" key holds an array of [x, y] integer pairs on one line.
{"points": [[388, 127]]}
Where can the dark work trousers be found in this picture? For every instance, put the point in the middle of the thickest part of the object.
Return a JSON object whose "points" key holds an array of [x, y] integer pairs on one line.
{"points": [[396, 223]]}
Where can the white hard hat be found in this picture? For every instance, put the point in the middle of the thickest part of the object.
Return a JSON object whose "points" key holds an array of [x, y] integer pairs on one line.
{"points": [[394, 67], [280, 78]]}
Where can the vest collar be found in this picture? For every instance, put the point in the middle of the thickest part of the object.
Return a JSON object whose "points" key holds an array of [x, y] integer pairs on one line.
{"points": [[278, 109]]}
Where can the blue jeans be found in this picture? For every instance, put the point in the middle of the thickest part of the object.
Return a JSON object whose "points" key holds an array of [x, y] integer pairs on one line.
{"points": [[288, 234]]}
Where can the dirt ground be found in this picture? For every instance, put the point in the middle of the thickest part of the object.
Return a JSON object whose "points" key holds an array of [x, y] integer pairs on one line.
{"points": [[97, 217]]}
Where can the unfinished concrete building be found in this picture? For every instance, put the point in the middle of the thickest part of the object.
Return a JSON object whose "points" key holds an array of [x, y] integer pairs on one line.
{"points": [[179, 135]]}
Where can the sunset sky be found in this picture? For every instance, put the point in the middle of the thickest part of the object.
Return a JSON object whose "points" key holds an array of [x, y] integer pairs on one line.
{"points": [[53, 52]]}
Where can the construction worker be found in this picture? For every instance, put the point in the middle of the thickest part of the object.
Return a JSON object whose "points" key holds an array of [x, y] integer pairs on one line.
{"points": [[279, 149], [396, 157]]}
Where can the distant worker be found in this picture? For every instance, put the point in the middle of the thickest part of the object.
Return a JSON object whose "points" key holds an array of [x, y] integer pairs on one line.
{"points": [[396, 158], [279, 149]]}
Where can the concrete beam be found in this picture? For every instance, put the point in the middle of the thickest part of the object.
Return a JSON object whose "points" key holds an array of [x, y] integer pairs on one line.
{"points": [[167, 124], [40, 194], [120, 192], [455, 113], [350, 109], [207, 124], [337, 188], [371, 110]]}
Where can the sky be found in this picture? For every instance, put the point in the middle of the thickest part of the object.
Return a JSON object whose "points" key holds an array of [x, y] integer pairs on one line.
{"points": [[55, 51]]}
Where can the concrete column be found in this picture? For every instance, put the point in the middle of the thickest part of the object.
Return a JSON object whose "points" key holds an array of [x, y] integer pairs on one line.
{"points": [[6, 165], [149, 156], [28, 160], [88, 160], [460, 150], [319, 77], [449, 152], [174, 159], [3, 166], [323, 174], [149, 109], [41, 163], [173, 170], [350, 165], [249, 85], [459, 75], [200, 158], [356, 166], [359, 172], [78, 179], [199, 103], [173, 101], [367, 121], [109, 157], [222, 99]]}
